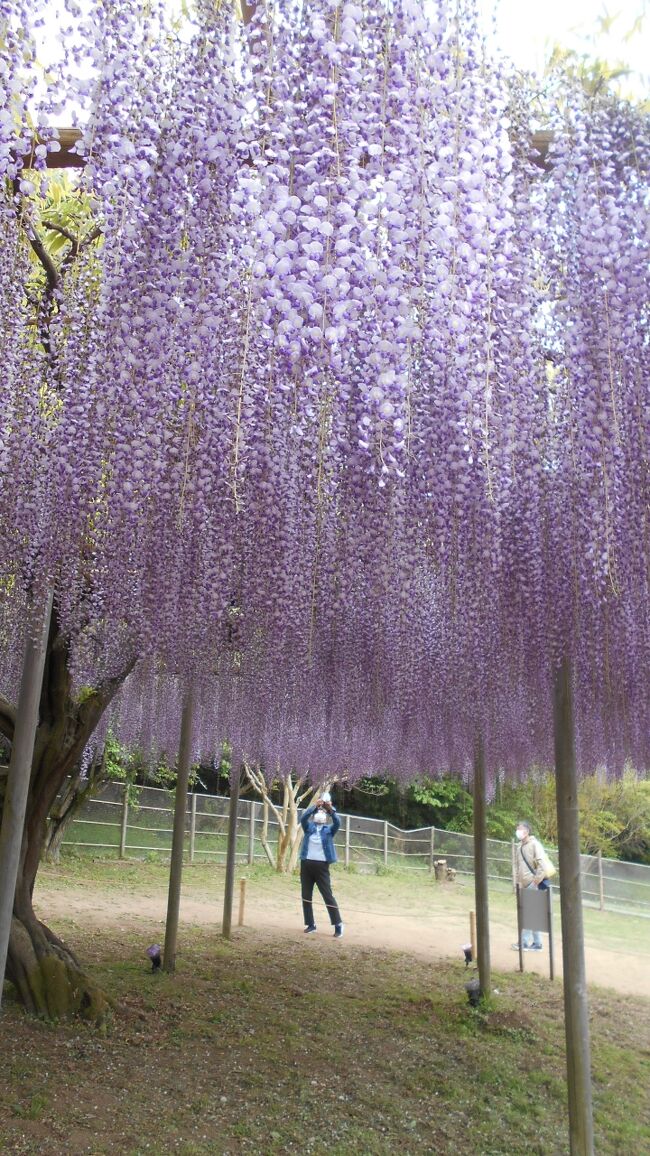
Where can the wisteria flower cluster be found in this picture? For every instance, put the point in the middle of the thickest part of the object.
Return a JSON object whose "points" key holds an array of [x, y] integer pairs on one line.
{"points": [[343, 410]]}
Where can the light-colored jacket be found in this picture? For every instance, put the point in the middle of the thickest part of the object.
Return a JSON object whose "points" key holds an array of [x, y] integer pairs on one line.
{"points": [[530, 860]]}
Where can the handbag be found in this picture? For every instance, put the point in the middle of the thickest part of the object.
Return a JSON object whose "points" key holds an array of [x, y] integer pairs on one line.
{"points": [[549, 869]]}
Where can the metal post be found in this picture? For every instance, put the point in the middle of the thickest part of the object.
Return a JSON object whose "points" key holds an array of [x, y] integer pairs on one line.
{"points": [[20, 766], [192, 826], [124, 822], [480, 870], [601, 881], [431, 849], [251, 834], [231, 855], [178, 837], [347, 840], [576, 1014], [385, 843]]}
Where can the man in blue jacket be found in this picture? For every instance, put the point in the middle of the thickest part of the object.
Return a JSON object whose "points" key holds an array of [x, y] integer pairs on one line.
{"points": [[316, 854]]}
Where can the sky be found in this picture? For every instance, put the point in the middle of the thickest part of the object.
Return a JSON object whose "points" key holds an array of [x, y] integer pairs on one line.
{"points": [[528, 31]]}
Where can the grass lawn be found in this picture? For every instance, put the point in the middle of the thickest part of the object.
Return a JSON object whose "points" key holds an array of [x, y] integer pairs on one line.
{"points": [[273, 1044]]}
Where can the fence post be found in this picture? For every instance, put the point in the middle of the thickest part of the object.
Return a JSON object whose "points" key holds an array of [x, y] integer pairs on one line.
{"points": [[347, 840], [472, 935], [192, 825], [431, 845], [125, 821], [601, 881], [385, 843], [251, 834]]}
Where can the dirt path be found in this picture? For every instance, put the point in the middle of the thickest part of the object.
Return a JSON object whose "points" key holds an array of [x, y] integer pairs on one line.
{"points": [[438, 936]]}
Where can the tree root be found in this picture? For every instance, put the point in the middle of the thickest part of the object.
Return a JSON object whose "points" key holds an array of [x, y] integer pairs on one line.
{"points": [[48, 978]]}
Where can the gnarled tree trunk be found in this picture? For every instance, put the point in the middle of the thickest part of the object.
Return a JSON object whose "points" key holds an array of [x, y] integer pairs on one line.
{"points": [[45, 972], [76, 791]]}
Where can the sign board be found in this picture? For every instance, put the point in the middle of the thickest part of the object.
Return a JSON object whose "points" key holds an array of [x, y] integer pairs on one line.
{"points": [[535, 913]]}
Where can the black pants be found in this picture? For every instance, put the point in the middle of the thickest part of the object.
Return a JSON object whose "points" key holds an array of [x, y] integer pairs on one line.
{"points": [[316, 871]]}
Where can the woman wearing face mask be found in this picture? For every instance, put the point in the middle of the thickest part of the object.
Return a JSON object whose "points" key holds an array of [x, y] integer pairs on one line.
{"points": [[531, 871], [316, 854]]}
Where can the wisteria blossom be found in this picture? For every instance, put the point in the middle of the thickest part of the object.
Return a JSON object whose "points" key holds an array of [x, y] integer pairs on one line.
{"points": [[340, 407]]}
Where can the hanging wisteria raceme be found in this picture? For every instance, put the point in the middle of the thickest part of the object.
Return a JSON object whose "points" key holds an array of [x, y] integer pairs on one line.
{"points": [[340, 404], [24, 430], [172, 355], [597, 252]]}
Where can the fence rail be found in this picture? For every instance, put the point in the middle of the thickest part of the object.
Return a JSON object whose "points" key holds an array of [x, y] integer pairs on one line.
{"points": [[142, 827]]}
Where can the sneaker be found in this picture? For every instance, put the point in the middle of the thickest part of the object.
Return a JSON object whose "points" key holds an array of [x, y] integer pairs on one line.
{"points": [[309, 930], [535, 947], [338, 931], [524, 947]]}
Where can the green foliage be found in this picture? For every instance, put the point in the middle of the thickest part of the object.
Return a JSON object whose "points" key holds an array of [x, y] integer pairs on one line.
{"points": [[594, 67], [84, 693], [447, 798], [119, 765], [427, 802], [614, 813], [131, 767]]}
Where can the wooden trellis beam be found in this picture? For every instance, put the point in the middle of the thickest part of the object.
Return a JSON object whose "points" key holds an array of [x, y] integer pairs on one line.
{"points": [[67, 158]]}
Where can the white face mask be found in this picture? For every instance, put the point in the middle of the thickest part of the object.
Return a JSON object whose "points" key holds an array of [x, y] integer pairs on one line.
{"points": [[521, 832], [320, 817]]}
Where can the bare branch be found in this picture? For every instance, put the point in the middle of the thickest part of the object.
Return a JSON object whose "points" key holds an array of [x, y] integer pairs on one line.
{"points": [[247, 11], [51, 271], [54, 228]]}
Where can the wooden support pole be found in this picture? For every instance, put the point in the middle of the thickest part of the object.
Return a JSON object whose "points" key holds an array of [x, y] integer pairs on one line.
{"points": [[192, 826], [231, 855], [472, 935], [480, 871], [251, 834], [242, 902], [178, 836], [124, 822], [20, 767], [576, 1014]]}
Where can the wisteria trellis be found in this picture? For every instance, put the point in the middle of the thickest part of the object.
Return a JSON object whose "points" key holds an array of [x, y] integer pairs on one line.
{"points": [[348, 414]]}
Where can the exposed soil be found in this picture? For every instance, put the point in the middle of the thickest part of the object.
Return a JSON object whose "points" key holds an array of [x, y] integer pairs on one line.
{"points": [[439, 935]]}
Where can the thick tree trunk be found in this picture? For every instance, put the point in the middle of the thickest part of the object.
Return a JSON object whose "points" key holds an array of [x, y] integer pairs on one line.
{"points": [[47, 975], [45, 972], [76, 791]]}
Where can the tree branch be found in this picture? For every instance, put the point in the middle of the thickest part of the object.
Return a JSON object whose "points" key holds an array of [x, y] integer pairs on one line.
{"points": [[54, 228], [51, 271], [7, 718]]}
